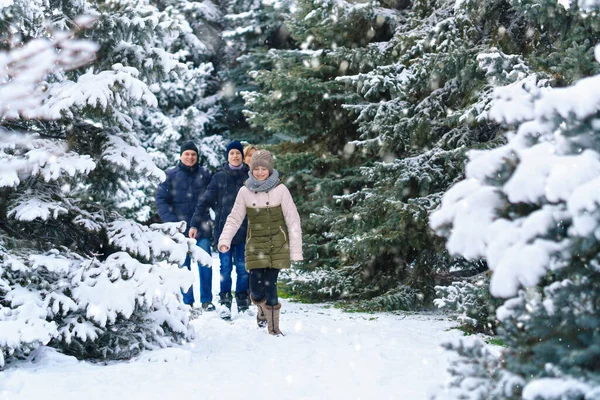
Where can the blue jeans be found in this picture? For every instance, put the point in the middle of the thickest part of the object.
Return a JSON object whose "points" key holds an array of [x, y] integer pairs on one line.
{"points": [[236, 256], [205, 276]]}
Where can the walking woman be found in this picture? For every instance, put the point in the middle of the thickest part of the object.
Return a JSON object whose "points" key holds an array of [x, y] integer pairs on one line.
{"points": [[274, 237]]}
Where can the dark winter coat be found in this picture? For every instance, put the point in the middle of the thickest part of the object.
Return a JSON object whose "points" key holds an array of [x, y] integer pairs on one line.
{"points": [[177, 196], [220, 196]]}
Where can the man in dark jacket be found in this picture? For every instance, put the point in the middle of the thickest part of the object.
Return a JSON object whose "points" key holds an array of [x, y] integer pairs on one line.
{"points": [[176, 199], [220, 196]]}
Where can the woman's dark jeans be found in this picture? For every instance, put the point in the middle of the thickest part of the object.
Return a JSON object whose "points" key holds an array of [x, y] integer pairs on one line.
{"points": [[263, 283]]}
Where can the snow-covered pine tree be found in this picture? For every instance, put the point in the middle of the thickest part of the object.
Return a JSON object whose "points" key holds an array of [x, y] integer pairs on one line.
{"points": [[531, 209], [174, 58], [419, 114], [74, 273], [251, 28], [470, 300], [188, 99], [300, 100], [481, 364]]}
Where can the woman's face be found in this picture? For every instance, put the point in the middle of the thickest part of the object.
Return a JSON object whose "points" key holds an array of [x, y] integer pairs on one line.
{"points": [[248, 156], [260, 173], [234, 157]]}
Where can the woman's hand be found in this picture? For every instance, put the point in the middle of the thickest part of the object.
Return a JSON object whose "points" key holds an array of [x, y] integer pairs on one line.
{"points": [[193, 233], [223, 248]]}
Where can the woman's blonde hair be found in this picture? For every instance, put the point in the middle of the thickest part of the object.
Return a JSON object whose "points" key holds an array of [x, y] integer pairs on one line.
{"points": [[250, 147]]}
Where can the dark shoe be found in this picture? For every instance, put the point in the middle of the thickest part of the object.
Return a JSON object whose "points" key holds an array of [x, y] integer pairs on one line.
{"points": [[225, 299], [243, 301], [225, 309], [261, 319], [208, 306]]}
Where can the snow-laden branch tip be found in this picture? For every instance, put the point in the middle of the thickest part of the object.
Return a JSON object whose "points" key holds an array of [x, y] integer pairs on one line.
{"points": [[131, 158], [105, 91], [23, 69], [24, 155]]}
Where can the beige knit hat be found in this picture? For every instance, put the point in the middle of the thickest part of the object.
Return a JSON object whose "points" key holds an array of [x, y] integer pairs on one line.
{"points": [[262, 158]]}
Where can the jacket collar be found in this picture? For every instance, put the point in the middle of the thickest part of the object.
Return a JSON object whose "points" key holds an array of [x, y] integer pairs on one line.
{"points": [[244, 170], [185, 168]]}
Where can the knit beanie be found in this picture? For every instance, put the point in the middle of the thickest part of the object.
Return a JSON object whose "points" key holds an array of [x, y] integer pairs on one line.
{"points": [[234, 145], [262, 158], [188, 146]]}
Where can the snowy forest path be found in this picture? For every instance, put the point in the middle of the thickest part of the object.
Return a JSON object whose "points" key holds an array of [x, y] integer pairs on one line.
{"points": [[326, 354]]}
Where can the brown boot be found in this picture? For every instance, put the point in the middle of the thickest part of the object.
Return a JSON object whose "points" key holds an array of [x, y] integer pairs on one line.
{"points": [[261, 319], [272, 314]]}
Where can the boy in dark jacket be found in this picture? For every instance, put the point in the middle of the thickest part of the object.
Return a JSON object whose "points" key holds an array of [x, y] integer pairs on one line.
{"points": [[220, 196], [176, 199]]}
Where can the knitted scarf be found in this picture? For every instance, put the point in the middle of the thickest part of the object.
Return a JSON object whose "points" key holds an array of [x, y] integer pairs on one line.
{"points": [[262, 186]]}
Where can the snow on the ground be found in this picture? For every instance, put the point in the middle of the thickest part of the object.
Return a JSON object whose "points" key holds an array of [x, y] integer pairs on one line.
{"points": [[326, 354]]}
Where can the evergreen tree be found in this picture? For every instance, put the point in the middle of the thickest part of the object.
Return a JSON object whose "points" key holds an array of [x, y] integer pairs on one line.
{"points": [[470, 300], [299, 100], [188, 98], [531, 209], [251, 29], [74, 273], [480, 363], [176, 64]]}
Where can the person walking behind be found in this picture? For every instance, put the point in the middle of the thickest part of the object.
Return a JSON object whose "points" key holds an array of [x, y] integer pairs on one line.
{"points": [[176, 198], [274, 235], [220, 196], [249, 149]]}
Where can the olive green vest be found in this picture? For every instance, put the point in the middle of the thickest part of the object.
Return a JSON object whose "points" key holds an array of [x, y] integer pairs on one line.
{"points": [[267, 241]]}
